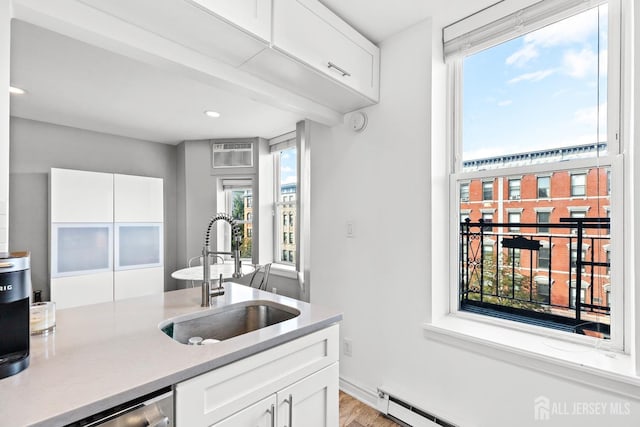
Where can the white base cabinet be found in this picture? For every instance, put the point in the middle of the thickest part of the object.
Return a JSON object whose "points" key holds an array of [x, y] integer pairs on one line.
{"points": [[294, 384]]}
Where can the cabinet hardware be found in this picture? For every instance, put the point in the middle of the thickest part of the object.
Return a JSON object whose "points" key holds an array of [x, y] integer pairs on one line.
{"points": [[272, 412], [342, 71], [289, 401]]}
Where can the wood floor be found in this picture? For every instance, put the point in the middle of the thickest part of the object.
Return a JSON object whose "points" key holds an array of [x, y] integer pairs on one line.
{"points": [[354, 413]]}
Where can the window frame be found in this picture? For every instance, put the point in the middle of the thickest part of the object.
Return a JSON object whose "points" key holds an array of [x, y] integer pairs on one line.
{"points": [[510, 188], [282, 227], [614, 160], [573, 187]]}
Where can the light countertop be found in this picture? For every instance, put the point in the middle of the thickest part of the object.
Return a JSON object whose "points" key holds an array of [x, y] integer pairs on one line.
{"points": [[106, 354]]}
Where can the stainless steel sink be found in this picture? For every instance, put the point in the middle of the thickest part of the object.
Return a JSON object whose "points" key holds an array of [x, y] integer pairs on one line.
{"points": [[228, 322]]}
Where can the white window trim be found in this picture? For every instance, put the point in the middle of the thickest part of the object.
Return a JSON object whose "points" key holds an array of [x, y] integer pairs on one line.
{"points": [[283, 142], [590, 364]]}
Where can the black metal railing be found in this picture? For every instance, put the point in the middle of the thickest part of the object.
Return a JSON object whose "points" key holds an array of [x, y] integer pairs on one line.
{"points": [[550, 274]]}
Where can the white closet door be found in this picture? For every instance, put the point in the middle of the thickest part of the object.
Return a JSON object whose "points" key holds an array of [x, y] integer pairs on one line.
{"points": [[138, 199], [137, 283], [80, 196], [82, 290]]}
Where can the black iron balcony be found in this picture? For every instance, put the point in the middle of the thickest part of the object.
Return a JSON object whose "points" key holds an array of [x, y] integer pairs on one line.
{"points": [[558, 278]]}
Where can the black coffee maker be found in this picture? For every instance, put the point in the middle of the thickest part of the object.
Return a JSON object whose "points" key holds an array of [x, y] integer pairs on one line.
{"points": [[15, 289]]}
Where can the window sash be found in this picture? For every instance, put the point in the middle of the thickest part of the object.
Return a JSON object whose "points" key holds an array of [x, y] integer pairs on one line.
{"points": [[611, 159]]}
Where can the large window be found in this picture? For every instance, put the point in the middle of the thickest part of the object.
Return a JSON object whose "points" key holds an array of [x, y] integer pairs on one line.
{"points": [[286, 204], [238, 199], [514, 189], [578, 184], [537, 102]]}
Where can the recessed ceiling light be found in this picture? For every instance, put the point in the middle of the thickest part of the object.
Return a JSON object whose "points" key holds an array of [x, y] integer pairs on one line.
{"points": [[213, 114], [16, 90]]}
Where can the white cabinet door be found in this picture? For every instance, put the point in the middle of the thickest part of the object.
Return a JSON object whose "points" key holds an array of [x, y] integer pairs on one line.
{"points": [[253, 16], [73, 291], [219, 394], [261, 414], [194, 26], [137, 283], [138, 199], [80, 196], [311, 402], [308, 31]]}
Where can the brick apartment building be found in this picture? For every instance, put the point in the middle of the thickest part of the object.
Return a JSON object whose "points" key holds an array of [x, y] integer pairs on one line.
{"points": [[521, 205]]}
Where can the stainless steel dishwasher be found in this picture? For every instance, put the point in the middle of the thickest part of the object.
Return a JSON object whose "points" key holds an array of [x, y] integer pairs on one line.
{"points": [[152, 410]]}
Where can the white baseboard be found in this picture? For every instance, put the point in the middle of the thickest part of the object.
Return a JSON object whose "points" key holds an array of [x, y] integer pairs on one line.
{"points": [[363, 394]]}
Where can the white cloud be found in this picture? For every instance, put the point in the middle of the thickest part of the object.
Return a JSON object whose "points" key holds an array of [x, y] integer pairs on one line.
{"points": [[522, 56], [576, 29], [505, 103], [289, 180], [535, 76], [589, 115], [580, 64]]}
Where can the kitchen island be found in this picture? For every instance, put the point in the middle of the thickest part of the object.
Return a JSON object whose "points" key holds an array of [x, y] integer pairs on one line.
{"points": [[104, 355]]}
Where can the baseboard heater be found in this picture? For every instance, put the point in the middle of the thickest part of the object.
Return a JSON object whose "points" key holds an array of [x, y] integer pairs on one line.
{"points": [[406, 413]]}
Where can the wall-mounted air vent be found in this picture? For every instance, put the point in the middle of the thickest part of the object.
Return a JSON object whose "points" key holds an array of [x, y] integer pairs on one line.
{"points": [[232, 155]]}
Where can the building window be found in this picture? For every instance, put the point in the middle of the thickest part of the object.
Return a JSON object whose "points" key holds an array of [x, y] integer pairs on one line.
{"points": [[577, 213], [578, 184], [544, 256], [574, 289], [543, 218], [249, 201], [514, 221], [464, 192], [487, 190], [574, 257], [514, 189], [487, 218], [543, 288], [291, 238], [513, 257], [544, 187], [529, 85]]}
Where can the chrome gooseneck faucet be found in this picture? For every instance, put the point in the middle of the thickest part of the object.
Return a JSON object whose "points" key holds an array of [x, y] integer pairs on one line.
{"points": [[207, 291]]}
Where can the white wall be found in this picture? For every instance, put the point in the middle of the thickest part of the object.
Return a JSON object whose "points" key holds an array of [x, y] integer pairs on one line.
{"points": [[381, 180], [5, 45]]}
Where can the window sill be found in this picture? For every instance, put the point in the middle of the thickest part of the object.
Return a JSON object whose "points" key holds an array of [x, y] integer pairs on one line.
{"points": [[284, 270], [604, 369]]}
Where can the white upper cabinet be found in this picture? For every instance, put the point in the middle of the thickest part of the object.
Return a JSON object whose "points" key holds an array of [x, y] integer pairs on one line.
{"points": [[308, 31], [253, 16], [211, 27], [81, 196], [138, 199]]}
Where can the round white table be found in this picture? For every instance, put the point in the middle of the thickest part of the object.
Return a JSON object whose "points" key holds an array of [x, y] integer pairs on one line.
{"points": [[226, 269]]}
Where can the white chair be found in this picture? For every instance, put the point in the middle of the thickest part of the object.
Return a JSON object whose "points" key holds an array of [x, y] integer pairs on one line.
{"points": [[196, 261], [266, 269]]}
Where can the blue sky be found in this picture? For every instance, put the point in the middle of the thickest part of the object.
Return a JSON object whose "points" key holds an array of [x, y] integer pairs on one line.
{"points": [[288, 166], [539, 90]]}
